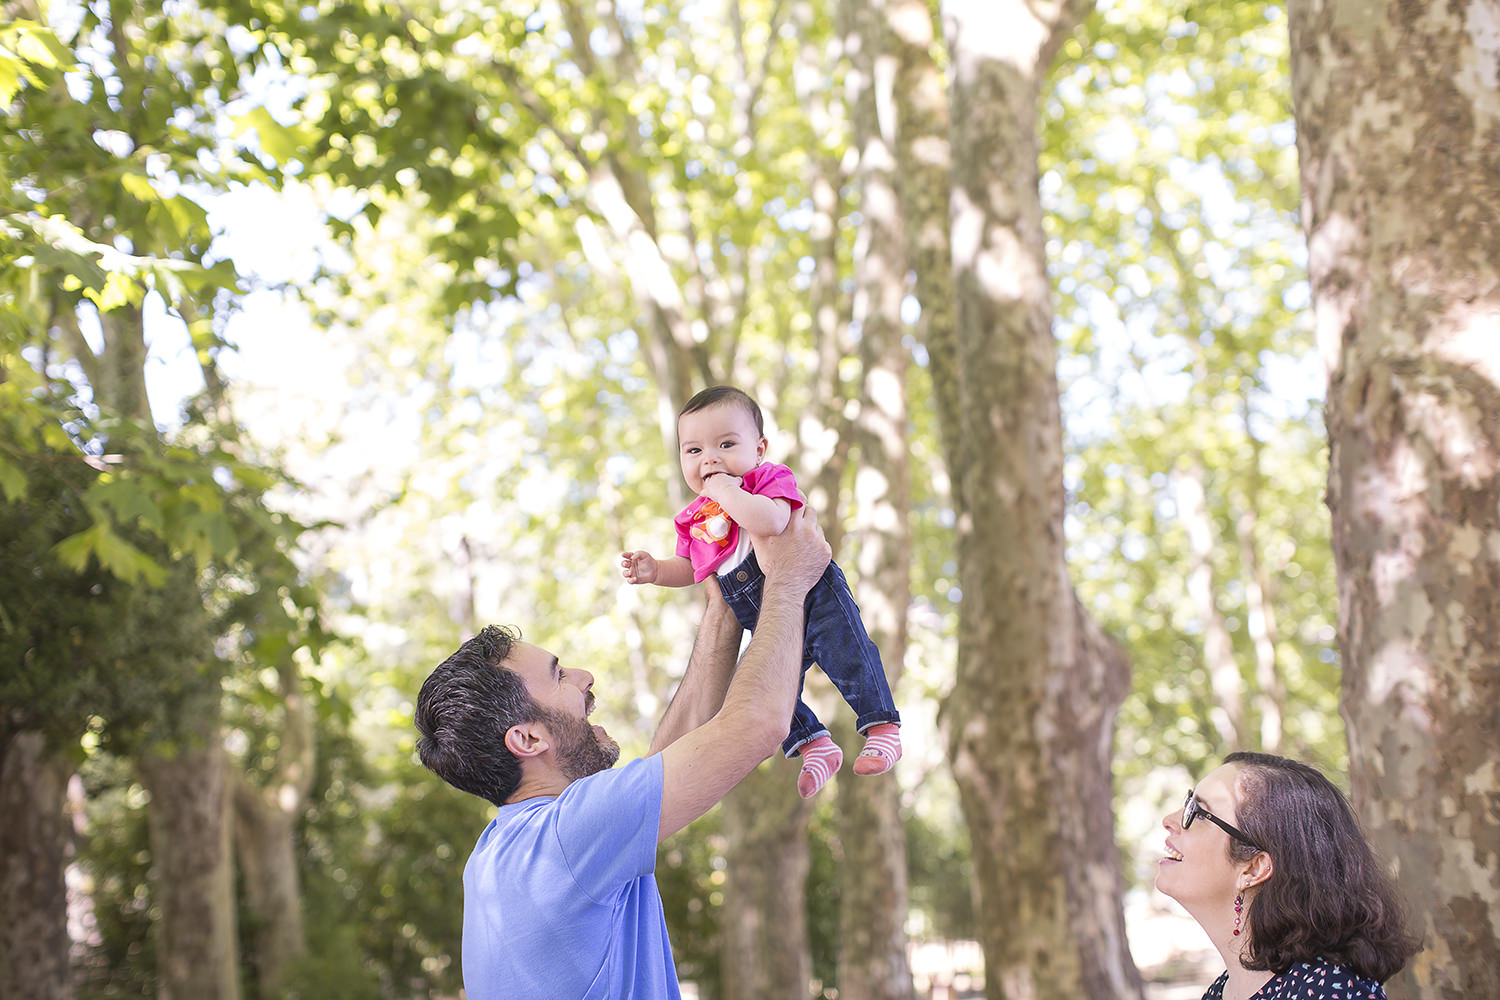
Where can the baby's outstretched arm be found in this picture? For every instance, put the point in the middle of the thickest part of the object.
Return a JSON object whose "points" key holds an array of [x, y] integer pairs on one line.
{"points": [[754, 513], [642, 567]]}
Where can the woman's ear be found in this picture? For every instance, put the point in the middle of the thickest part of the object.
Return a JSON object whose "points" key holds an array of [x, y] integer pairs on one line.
{"points": [[1258, 870], [526, 740]]}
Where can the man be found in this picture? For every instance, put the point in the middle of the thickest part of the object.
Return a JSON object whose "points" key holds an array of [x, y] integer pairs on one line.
{"points": [[560, 898]]}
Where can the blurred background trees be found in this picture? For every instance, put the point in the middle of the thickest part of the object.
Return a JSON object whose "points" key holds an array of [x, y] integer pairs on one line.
{"points": [[331, 333]]}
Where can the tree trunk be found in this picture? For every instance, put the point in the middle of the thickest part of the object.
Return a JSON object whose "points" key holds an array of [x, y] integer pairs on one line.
{"points": [[1030, 718], [1270, 696], [1227, 686], [192, 879], [766, 861], [184, 769], [264, 844], [265, 841], [33, 851], [923, 181], [873, 960], [1398, 131]]}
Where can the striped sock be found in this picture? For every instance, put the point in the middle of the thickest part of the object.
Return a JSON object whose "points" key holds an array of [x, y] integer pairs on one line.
{"points": [[820, 759], [881, 751]]}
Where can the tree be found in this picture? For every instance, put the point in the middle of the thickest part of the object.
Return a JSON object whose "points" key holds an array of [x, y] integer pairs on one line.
{"points": [[1038, 683], [872, 937], [46, 615], [96, 231], [1170, 183], [1398, 131]]}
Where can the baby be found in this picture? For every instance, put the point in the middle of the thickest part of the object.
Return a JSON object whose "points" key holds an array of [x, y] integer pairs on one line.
{"points": [[722, 446]]}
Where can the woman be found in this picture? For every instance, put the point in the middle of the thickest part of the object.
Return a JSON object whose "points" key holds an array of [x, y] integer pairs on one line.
{"points": [[1267, 856]]}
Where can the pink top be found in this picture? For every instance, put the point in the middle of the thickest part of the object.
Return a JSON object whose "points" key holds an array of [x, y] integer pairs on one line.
{"points": [[706, 534]]}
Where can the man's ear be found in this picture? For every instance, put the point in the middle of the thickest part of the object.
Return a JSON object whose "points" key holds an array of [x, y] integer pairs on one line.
{"points": [[526, 739], [1260, 868]]}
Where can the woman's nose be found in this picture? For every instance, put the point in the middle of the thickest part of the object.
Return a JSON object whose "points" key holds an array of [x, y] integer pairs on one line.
{"points": [[1171, 821]]}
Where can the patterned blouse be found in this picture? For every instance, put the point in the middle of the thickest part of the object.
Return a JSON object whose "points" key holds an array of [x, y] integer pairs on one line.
{"points": [[1319, 980]]}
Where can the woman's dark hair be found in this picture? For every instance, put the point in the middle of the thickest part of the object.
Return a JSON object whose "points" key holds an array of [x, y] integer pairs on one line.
{"points": [[714, 395], [464, 710], [1328, 895]]}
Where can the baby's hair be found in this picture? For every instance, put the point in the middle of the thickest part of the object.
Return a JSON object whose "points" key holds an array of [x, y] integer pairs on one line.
{"points": [[714, 395]]}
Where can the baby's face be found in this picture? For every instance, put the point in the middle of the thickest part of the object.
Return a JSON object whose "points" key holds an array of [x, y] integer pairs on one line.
{"points": [[719, 439]]}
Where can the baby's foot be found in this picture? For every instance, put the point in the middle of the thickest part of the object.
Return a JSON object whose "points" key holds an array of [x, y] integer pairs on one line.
{"points": [[820, 759], [881, 751]]}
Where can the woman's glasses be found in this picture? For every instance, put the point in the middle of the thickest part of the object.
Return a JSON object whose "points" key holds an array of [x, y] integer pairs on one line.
{"points": [[1192, 809]]}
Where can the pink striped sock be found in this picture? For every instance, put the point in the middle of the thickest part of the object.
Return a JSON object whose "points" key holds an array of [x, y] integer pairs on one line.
{"points": [[881, 751], [820, 759]]}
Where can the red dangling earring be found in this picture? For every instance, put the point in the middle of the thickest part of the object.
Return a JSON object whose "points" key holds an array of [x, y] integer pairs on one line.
{"points": [[1239, 904]]}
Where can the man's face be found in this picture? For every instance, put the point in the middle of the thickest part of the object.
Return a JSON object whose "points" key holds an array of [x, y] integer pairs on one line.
{"points": [[719, 439], [564, 698]]}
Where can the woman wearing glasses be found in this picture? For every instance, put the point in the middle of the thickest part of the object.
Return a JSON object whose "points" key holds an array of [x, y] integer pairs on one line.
{"points": [[1267, 856]]}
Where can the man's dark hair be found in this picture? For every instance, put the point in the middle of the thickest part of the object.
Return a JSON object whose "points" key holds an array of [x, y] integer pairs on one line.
{"points": [[464, 710], [714, 395], [1328, 895]]}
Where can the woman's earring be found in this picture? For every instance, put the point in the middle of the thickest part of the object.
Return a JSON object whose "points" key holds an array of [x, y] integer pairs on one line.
{"points": [[1239, 905]]}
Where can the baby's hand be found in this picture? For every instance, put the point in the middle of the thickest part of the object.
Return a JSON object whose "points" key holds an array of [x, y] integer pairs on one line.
{"points": [[639, 567], [721, 484]]}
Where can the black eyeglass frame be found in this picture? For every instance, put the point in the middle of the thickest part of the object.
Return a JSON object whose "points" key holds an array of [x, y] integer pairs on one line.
{"points": [[1192, 809]]}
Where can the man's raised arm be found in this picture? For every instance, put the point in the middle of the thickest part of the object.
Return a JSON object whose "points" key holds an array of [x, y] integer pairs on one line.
{"points": [[701, 692], [702, 766]]}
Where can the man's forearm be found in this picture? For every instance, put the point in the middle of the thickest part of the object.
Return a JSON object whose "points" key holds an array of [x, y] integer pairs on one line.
{"points": [[766, 682], [707, 677]]}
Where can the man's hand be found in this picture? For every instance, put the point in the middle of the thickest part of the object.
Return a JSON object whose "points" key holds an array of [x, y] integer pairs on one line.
{"points": [[797, 557], [639, 567], [721, 485]]}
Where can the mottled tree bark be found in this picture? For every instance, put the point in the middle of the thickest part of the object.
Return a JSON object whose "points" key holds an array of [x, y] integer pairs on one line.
{"points": [[1398, 131], [873, 899], [766, 860], [33, 848], [1030, 718], [1227, 686], [265, 840], [1270, 695], [923, 179], [184, 769], [192, 881]]}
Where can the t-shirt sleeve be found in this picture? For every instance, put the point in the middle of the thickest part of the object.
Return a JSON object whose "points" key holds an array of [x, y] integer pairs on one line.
{"points": [[683, 523], [607, 825], [774, 481]]}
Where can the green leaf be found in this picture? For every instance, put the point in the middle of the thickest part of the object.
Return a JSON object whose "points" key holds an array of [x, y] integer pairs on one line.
{"points": [[138, 186], [12, 481], [10, 81], [126, 561], [75, 550], [132, 503], [116, 555], [277, 141], [119, 290], [40, 46]]}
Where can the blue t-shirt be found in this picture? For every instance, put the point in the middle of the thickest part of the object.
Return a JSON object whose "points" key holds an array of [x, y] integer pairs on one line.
{"points": [[560, 899]]}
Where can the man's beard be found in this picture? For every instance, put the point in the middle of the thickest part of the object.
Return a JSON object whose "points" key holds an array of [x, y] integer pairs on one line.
{"points": [[580, 751]]}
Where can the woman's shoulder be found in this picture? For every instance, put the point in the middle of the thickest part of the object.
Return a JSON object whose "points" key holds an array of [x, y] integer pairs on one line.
{"points": [[1324, 980]]}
